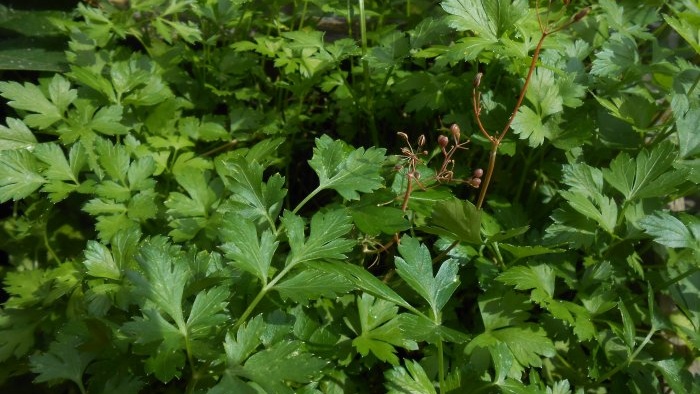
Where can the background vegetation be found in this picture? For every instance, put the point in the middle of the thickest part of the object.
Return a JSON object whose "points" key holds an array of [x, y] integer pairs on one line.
{"points": [[325, 196]]}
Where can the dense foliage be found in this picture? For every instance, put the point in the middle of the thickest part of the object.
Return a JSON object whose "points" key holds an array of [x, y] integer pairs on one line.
{"points": [[326, 196]]}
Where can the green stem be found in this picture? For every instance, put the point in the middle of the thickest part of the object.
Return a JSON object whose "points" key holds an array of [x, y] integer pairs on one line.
{"points": [[441, 365], [306, 199], [369, 107], [630, 360], [266, 288], [303, 14]]}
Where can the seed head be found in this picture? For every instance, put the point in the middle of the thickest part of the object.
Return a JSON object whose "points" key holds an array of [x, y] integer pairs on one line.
{"points": [[443, 141], [455, 131]]}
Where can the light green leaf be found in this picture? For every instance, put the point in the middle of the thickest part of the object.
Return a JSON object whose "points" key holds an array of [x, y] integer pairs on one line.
{"points": [[543, 93], [528, 343], [345, 170], [380, 329], [583, 179], [325, 239], [311, 284], [686, 28], [246, 250], [409, 380], [16, 135], [373, 219], [488, 19], [283, 361], [618, 54], [628, 327], [100, 262], [363, 280], [686, 124], [165, 277], [60, 93], [669, 231], [540, 276], [58, 166], [241, 345], [416, 268], [19, 175], [456, 219], [207, 313], [113, 158], [244, 178], [606, 216], [29, 97], [649, 178], [528, 125]]}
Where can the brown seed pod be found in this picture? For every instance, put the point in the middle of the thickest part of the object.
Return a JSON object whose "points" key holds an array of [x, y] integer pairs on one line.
{"points": [[456, 132], [581, 14], [476, 182], [421, 140], [443, 141], [402, 135], [478, 173], [477, 79]]}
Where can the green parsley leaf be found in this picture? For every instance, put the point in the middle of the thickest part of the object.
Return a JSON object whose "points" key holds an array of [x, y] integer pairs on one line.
{"points": [[261, 199], [539, 276], [618, 55], [669, 231], [606, 215], [245, 249], [373, 219], [456, 219], [652, 174], [19, 175], [30, 98], [364, 280], [100, 262], [241, 345], [526, 342], [284, 361], [325, 240], [380, 329], [490, 19], [16, 135], [544, 94], [207, 313], [416, 268], [311, 284], [344, 170], [64, 360], [529, 125], [411, 379]]}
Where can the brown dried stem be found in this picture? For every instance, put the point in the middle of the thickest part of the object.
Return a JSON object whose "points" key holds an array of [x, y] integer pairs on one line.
{"points": [[476, 98]]}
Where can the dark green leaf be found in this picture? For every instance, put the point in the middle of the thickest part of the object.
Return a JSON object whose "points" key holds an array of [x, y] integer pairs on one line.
{"points": [[456, 219], [64, 360]]}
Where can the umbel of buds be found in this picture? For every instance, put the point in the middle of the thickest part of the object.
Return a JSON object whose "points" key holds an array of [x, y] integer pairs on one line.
{"points": [[475, 180]]}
